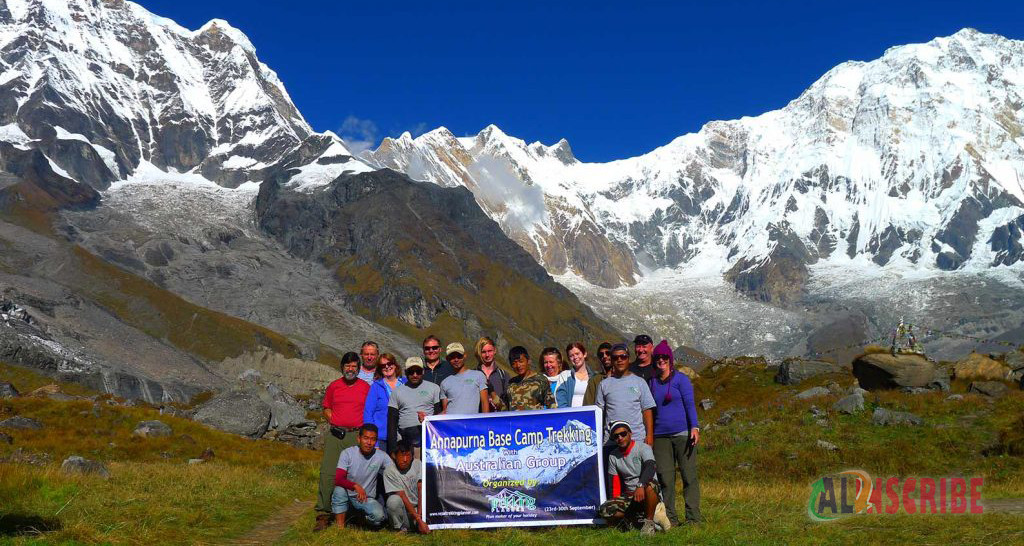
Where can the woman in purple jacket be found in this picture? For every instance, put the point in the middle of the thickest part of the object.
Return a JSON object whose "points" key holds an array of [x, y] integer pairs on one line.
{"points": [[676, 434]]}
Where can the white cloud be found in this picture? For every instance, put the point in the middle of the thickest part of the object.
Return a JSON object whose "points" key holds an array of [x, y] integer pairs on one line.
{"points": [[359, 134]]}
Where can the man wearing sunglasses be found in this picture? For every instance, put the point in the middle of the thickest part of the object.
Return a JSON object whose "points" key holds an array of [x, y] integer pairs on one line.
{"points": [[410, 404], [626, 397], [635, 491], [604, 356], [435, 369]]}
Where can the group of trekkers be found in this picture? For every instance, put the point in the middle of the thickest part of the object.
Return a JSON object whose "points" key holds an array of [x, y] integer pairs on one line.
{"points": [[376, 410]]}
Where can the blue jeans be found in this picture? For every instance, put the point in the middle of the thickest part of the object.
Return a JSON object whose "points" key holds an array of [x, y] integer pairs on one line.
{"points": [[341, 501]]}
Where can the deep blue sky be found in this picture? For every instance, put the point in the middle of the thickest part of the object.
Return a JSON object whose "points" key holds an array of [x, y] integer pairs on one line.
{"points": [[616, 79]]}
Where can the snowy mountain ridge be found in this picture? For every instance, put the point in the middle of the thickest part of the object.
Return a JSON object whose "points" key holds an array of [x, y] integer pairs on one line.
{"points": [[913, 158]]}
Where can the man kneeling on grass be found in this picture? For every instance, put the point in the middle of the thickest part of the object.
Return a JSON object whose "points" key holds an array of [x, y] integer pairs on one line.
{"points": [[636, 491], [403, 484], [356, 479]]}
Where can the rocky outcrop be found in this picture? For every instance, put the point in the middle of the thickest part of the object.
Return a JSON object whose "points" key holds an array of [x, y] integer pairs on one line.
{"points": [[884, 417], [795, 370], [152, 429], [237, 412], [79, 465], [888, 371]]}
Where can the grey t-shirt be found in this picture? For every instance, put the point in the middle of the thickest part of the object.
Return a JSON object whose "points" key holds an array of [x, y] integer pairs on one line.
{"points": [[395, 481], [364, 470], [408, 401], [627, 467], [625, 399], [462, 391]]}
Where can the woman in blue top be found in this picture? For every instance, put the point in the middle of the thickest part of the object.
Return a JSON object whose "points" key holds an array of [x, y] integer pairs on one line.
{"points": [[570, 393], [387, 376], [676, 434]]}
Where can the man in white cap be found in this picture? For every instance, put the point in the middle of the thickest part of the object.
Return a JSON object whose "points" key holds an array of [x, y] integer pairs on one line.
{"points": [[410, 404], [636, 493], [464, 392]]}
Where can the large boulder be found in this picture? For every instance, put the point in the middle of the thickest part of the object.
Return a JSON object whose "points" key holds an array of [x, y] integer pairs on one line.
{"points": [[850, 404], [992, 389], [78, 465], [888, 371], [795, 370], [237, 412], [812, 392], [978, 367], [1015, 361]]}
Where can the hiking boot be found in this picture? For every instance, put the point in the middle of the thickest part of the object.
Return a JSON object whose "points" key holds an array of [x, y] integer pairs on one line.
{"points": [[323, 521], [649, 528], [661, 518]]}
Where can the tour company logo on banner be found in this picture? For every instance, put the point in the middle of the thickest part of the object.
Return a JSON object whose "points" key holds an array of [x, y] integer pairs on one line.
{"points": [[854, 492], [513, 469]]}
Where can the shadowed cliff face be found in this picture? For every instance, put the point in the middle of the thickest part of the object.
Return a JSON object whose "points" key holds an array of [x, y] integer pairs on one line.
{"points": [[420, 257]]}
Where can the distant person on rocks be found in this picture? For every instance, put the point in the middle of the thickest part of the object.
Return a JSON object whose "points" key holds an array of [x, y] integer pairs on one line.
{"points": [[643, 366], [497, 379], [355, 479], [343, 405], [435, 368], [404, 487], [635, 490], [387, 377], [369, 353], [465, 392], [623, 396], [410, 404], [676, 434], [571, 392], [528, 390], [554, 369], [604, 356]]}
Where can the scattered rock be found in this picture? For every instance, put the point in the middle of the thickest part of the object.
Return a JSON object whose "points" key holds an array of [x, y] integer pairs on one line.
{"points": [[884, 417], [915, 390], [727, 417], [152, 429], [940, 383], [284, 415], [795, 370], [707, 404], [954, 397], [250, 375], [888, 371], [849, 404], [791, 456], [308, 435], [7, 390], [207, 454], [978, 367], [857, 390], [165, 455], [992, 389], [20, 422], [78, 465], [6, 439], [196, 461], [816, 411], [237, 412], [174, 412], [822, 422], [833, 386], [827, 446], [744, 466], [812, 392], [45, 391], [24, 456]]}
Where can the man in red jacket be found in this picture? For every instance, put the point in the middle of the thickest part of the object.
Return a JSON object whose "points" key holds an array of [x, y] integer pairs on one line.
{"points": [[343, 407]]}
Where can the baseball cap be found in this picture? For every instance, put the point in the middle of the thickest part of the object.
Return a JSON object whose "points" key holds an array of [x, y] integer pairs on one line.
{"points": [[454, 347], [618, 424], [414, 362], [642, 339]]}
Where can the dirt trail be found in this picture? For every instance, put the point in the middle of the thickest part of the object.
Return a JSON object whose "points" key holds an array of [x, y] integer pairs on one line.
{"points": [[272, 528]]}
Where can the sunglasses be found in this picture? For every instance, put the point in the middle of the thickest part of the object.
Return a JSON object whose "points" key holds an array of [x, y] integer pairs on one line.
{"points": [[456, 356], [620, 357], [661, 357], [417, 371], [432, 348], [618, 435], [389, 365], [603, 353]]}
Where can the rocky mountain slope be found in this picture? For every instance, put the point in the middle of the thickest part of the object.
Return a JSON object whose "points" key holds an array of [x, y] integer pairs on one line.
{"points": [[132, 152]]}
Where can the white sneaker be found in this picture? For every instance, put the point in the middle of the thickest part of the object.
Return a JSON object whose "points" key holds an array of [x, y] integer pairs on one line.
{"points": [[661, 517]]}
